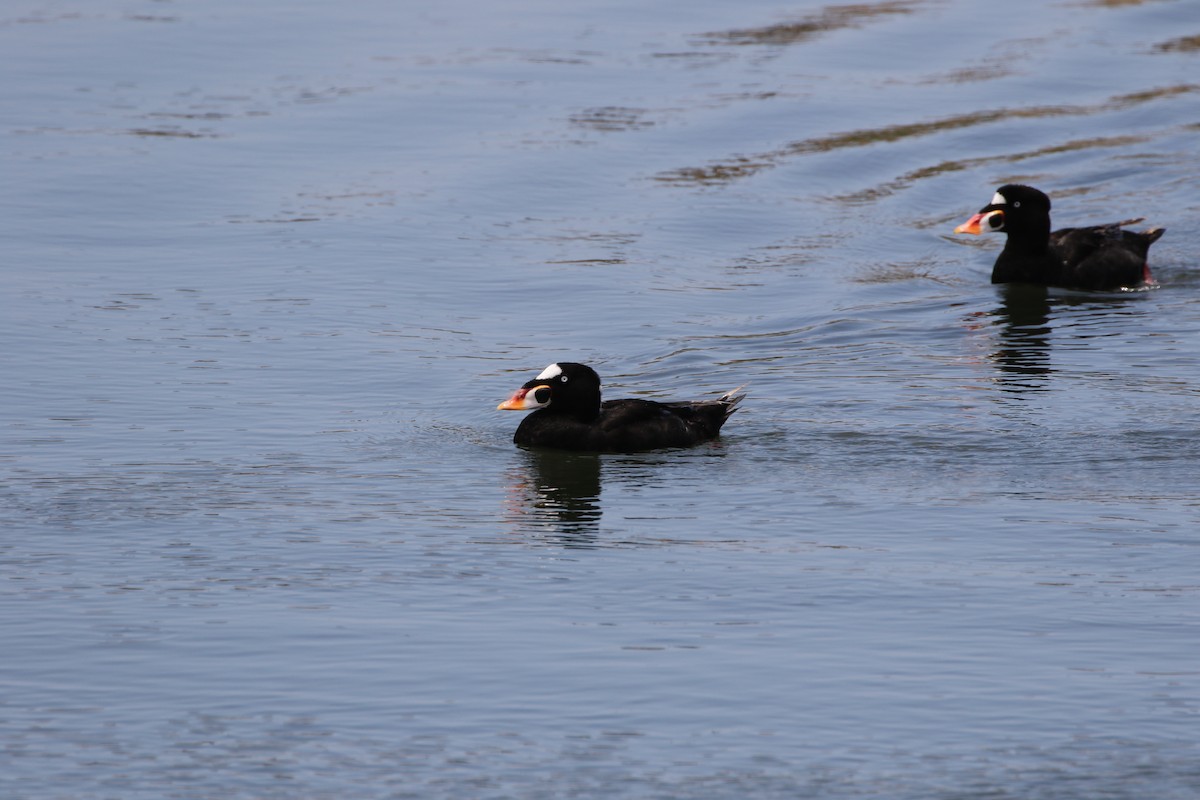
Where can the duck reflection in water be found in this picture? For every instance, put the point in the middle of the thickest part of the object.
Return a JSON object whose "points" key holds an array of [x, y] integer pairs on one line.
{"points": [[1031, 317], [555, 495], [1023, 356]]}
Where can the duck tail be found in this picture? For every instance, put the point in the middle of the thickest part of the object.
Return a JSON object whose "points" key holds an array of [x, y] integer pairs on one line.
{"points": [[731, 399]]}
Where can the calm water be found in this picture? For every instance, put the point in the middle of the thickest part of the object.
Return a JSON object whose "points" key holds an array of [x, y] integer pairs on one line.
{"points": [[269, 267]]}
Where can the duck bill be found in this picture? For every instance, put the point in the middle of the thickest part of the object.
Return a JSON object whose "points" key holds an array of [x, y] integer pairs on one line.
{"points": [[523, 399], [975, 224]]}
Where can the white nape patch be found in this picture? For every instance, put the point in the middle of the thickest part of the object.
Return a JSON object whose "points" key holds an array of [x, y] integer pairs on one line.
{"points": [[999, 199], [552, 371]]}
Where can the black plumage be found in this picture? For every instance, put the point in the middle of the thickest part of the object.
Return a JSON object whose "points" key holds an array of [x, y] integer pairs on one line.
{"points": [[568, 415], [1098, 257]]}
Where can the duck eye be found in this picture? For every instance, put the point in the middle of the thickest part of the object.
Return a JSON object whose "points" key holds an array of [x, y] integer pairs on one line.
{"points": [[563, 378], [1017, 204]]}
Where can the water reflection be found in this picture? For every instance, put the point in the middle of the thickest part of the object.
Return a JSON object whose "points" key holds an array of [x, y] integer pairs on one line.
{"points": [[556, 495], [1030, 317], [829, 19], [744, 165], [1023, 355]]}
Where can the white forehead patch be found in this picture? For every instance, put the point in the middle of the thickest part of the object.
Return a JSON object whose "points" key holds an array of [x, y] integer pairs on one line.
{"points": [[999, 199], [552, 371]]}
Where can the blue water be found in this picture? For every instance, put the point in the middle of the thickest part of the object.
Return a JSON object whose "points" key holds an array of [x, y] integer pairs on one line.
{"points": [[269, 268]]}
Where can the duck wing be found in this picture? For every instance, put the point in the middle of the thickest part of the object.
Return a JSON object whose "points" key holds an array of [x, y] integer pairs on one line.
{"points": [[1104, 256], [635, 424]]}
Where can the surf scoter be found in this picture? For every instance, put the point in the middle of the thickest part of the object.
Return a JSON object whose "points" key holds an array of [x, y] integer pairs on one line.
{"points": [[570, 416], [1099, 257]]}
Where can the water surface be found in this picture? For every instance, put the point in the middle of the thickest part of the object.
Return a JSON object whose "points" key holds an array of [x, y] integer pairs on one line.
{"points": [[270, 267]]}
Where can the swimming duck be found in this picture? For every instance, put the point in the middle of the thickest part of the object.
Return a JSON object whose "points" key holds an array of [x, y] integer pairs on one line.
{"points": [[568, 415], [1099, 257]]}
